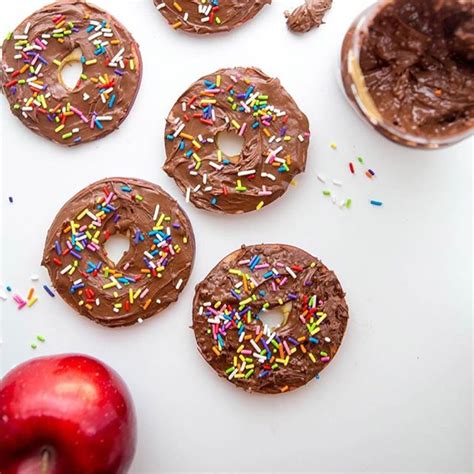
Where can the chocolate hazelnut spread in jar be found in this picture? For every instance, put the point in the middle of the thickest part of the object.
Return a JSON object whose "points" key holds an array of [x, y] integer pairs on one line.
{"points": [[407, 67]]}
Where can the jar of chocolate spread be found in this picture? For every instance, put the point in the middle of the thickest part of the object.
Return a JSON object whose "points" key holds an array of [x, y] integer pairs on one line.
{"points": [[407, 67]]}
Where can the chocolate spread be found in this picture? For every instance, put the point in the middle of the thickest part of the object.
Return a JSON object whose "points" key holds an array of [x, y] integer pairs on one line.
{"points": [[308, 16], [417, 61]]}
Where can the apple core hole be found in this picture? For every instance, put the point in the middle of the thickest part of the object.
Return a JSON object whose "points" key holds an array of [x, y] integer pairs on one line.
{"points": [[70, 70], [230, 144], [116, 247], [275, 317]]}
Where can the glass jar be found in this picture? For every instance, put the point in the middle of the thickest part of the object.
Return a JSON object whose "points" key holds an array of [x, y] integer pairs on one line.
{"points": [[358, 94]]}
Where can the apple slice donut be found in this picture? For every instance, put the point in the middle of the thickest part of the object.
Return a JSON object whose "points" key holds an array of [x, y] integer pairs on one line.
{"points": [[149, 275], [230, 309], [208, 16], [246, 104], [36, 55]]}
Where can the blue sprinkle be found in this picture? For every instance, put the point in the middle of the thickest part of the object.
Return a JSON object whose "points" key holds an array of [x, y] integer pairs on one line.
{"points": [[376, 203], [48, 290]]}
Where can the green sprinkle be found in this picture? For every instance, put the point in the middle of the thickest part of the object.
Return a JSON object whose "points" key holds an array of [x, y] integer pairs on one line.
{"points": [[229, 370], [67, 135], [41, 338], [9, 36], [249, 373], [34, 346], [360, 160], [348, 203], [326, 192]]}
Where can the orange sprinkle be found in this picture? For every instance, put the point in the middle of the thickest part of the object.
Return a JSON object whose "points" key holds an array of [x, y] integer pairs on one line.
{"points": [[244, 281], [148, 302], [280, 349], [30, 293], [216, 351], [284, 389]]}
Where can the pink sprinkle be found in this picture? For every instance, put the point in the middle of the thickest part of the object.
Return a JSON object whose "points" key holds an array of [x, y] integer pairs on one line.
{"points": [[40, 44]]}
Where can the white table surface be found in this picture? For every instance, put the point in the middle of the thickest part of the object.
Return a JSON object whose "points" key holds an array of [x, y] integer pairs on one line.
{"points": [[398, 395]]}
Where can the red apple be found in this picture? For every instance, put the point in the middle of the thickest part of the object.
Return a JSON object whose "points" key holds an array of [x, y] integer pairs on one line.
{"points": [[65, 414]]}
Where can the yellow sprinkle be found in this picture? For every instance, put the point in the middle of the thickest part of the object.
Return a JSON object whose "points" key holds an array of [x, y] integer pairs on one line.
{"points": [[176, 25], [186, 136], [177, 6], [235, 123], [132, 65], [260, 205], [313, 359], [58, 129], [333, 146], [321, 319], [218, 80], [32, 302]]}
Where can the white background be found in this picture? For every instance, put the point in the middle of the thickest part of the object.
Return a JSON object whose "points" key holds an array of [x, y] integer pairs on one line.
{"points": [[398, 395]]}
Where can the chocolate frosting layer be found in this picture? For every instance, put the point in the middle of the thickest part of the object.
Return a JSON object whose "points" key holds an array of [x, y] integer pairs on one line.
{"points": [[247, 102], [148, 277], [417, 62], [308, 16], [43, 44], [209, 16], [230, 301]]}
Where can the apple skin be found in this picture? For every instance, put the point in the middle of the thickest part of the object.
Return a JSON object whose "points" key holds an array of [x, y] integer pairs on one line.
{"points": [[65, 414]]}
